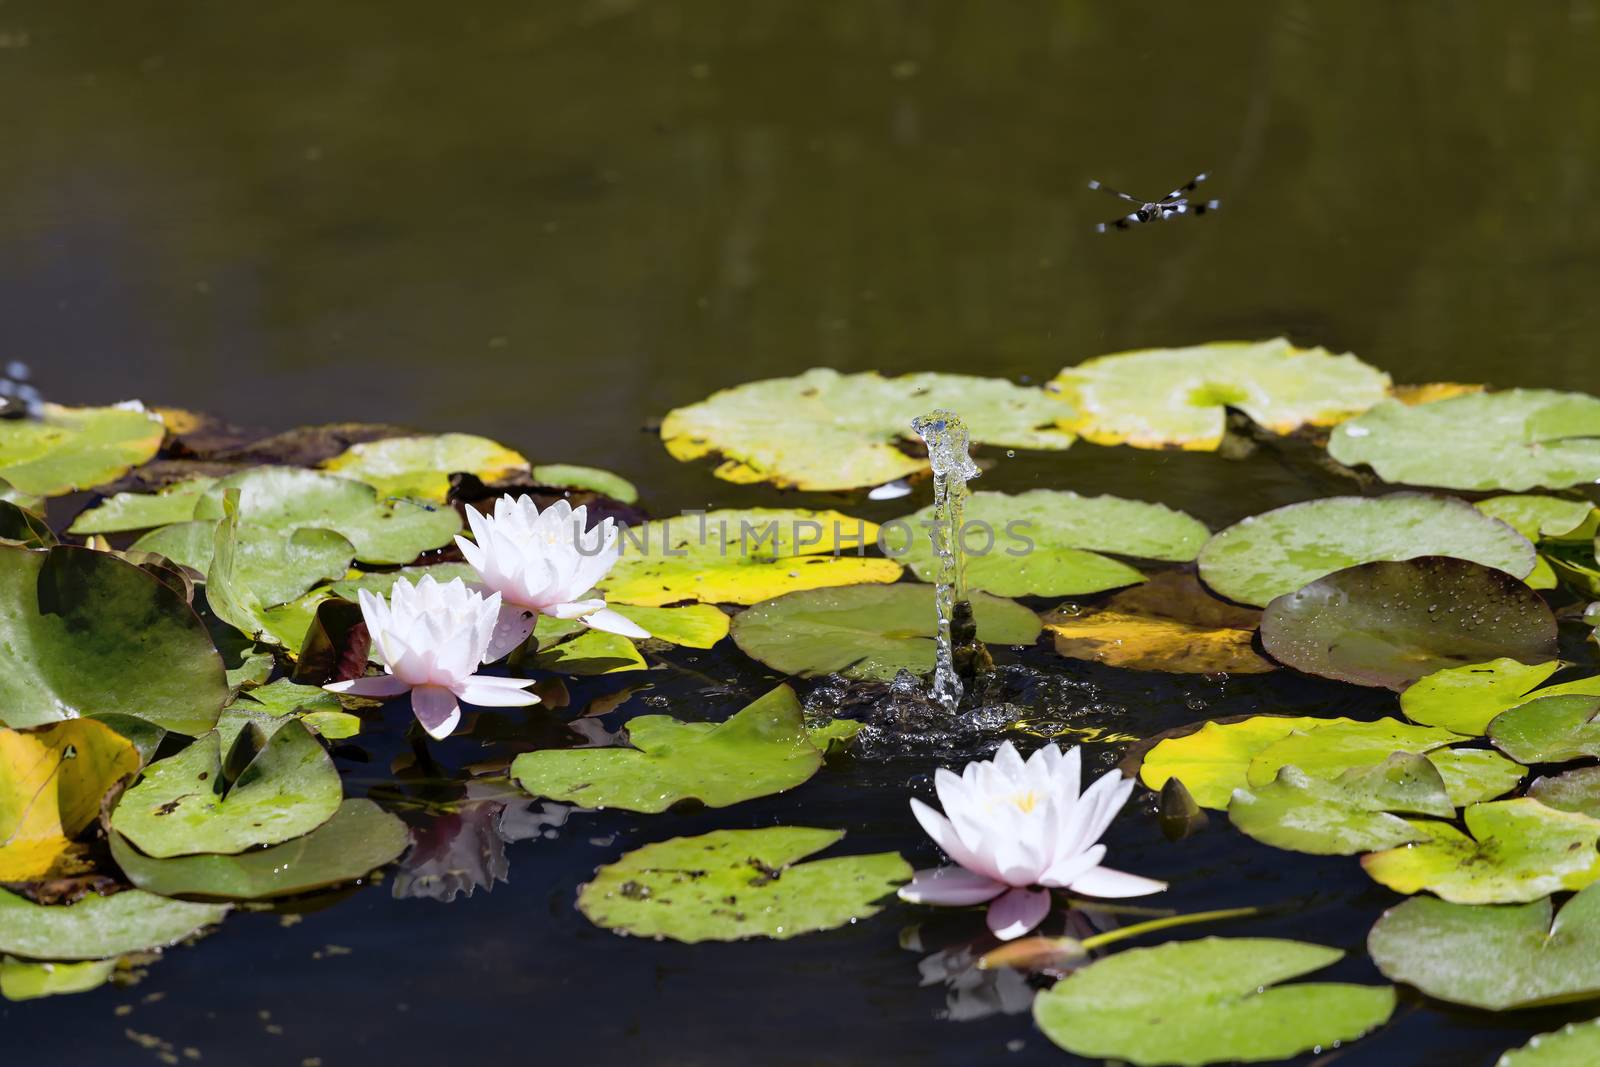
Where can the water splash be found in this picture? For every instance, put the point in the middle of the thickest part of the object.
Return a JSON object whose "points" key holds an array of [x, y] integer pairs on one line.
{"points": [[946, 437]]}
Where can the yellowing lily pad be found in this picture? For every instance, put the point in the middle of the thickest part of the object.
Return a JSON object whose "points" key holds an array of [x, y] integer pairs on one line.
{"points": [[98, 928], [66, 449], [1269, 555], [1169, 623], [1515, 440], [21, 980], [729, 885], [824, 430], [1467, 698], [763, 749], [1519, 850], [420, 467], [591, 652], [52, 779], [1549, 518], [1214, 760], [743, 557], [1497, 959], [1214, 1000], [1179, 397], [868, 631], [1334, 746], [1047, 542]]}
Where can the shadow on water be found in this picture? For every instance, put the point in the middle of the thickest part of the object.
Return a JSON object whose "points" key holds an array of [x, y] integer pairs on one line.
{"points": [[551, 223]]}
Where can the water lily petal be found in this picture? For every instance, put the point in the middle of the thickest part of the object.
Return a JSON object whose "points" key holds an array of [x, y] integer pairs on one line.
{"points": [[491, 692], [511, 628], [377, 686], [1070, 868], [1017, 912], [614, 623], [944, 835], [1108, 884], [574, 609], [950, 887], [436, 709]]}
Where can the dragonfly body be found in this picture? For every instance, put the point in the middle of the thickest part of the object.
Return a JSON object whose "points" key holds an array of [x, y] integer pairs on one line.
{"points": [[1173, 205]]}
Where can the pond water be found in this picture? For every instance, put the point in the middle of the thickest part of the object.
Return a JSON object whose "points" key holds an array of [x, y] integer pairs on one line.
{"points": [[551, 224]]}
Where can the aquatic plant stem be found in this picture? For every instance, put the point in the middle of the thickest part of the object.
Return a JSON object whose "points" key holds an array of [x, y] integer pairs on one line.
{"points": [[1152, 925]]}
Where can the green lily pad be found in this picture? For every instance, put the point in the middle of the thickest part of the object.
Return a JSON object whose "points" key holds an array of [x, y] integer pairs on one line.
{"points": [[27, 501], [1538, 518], [1390, 624], [729, 885], [1518, 439], [312, 705], [591, 652], [1215, 1000], [1549, 730], [21, 980], [1046, 542], [1496, 959], [143, 511], [1275, 553], [360, 838], [290, 788], [1473, 775], [690, 625], [1334, 746], [743, 557], [1574, 1045], [275, 565], [1519, 850], [382, 582], [93, 635], [1575, 790], [19, 526], [869, 631], [98, 928], [591, 479], [1348, 815], [383, 531], [66, 449], [827, 431], [763, 749], [1179, 397], [420, 467], [1466, 699]]}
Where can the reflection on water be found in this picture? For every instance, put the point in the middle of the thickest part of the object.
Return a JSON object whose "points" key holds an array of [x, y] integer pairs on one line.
{"points": [[464, 848]]}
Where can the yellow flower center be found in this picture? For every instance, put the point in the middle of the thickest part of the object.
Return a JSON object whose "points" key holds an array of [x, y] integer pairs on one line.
{"points": [[1025, 801]]}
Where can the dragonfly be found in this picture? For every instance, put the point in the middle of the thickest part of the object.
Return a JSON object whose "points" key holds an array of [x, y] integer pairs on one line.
{"points": [[1173, 205]]}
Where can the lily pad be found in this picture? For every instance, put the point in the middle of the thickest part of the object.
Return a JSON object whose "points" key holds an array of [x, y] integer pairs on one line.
{"points": [[1496, 959], [19, 526], [1466, 699], [1215, 1000], [1169, 623], [729, 885], [179, 809], [26, 501], [1179, 397], [312, 705], [1549, 730], [21, 980], [1389, 624], [589, 653], [360, 838], [1333, 746], [1277, 552], [1538, 518], [1348, 815], [383, 531], [70, 607], [1518, 439], [868, 632], [743, 557], [592, 479], [52, 779], [276, 565], [98, 928], [1519, 850], [66, 449], [143, 511], [1574, 1045], [1046, 542], [1214, 760], [761, 750], [824, 430], [420, 467], [1575, 790]]}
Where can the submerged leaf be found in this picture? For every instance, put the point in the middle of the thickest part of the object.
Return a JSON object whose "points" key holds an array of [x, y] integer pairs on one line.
{"points": [[761, 750], [1214, 1000], [867, 632], [96, 927], [824, 430], [1518, 439], [76, 448], [96, 636], [1519, 850], [1275, 553], [1178, 397], [1169, 623], [1391, 623], [729, 885], [1494, 958]]}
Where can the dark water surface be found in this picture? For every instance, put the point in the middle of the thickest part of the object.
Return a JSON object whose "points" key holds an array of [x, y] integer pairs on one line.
{"points": [[550, 223]]}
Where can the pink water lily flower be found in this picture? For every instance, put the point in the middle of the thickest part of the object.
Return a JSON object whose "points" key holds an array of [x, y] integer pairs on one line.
{"points": [[543, 563], [1018, 829], [431, 638]]}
